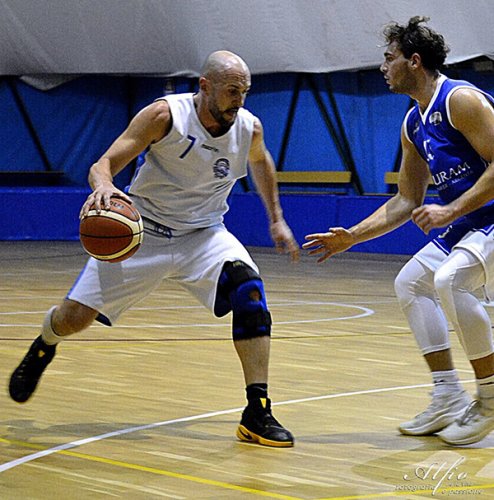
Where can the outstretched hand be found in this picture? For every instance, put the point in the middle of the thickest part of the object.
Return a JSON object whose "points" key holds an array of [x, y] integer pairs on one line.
{"points": [[283, 240], [336, 240]]}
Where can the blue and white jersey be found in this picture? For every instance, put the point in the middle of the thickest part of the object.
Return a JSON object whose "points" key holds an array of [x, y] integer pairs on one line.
{"points": [[454, 164]]}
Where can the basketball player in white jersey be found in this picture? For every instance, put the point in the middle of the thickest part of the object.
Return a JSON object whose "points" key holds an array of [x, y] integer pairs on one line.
{"points": [[448, 135], [198, 146]]}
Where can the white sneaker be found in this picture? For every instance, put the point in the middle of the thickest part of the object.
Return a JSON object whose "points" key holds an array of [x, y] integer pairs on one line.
{"points": [[475, 423], [442, 411]]}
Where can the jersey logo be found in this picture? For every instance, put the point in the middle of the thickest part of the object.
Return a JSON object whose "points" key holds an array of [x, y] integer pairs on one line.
{"points": [[436, 118], [428, 150], [453, 174], [443, 235], [221, 168], [209, 148]]}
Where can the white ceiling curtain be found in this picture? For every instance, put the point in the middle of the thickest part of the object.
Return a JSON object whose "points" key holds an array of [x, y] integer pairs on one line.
{"points": [[173, 37]]}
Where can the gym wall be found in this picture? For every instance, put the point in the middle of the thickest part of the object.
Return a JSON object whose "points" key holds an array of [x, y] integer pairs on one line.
{"points": [[64, 130], [316, 88]]}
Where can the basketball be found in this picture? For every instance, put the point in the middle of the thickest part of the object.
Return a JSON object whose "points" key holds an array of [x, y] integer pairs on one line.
{"points": [[112, 235]]}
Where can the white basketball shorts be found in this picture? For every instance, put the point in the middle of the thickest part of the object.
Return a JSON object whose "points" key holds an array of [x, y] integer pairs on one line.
{"points": [[478, 242], [192, 258]]}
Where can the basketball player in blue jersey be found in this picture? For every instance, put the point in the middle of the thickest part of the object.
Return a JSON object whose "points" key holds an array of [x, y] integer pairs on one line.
{"points": [[199, 145], [448, 135]]}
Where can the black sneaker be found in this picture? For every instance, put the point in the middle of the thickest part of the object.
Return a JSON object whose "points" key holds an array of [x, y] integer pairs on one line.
{"points": [[25, 378], [259, 426]]}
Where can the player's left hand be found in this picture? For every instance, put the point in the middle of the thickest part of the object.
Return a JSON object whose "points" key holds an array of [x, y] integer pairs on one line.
{"points": [[336, 240], [428, 217], [284, 240]]}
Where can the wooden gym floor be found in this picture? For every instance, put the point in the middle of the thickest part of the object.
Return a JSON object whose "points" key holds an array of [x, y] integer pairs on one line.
{"points": [[148, 409]]}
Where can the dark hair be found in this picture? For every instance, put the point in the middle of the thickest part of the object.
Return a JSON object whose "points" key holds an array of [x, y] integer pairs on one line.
{"points": [[422, 40]]}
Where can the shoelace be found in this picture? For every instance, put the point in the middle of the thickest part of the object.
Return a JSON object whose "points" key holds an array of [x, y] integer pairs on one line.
{"points": [[435, 403], [268, 419], [31, 364], [472, 411], [25, 365]]}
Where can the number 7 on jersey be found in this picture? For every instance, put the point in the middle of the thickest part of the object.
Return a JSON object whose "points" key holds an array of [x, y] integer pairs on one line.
{"points": [[192, 140]]}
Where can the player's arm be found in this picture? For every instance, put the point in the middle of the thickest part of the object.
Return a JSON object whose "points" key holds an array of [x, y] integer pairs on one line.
{"points": [[264, 175], [148, 126], [412, 186], [473, 115]]}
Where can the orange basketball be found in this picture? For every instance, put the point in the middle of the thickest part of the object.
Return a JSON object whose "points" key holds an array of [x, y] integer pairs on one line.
{"points": [[112, 235]]}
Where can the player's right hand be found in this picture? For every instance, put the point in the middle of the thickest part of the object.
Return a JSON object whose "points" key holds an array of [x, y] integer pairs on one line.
{"points": [[336, 240], [100, 197]]}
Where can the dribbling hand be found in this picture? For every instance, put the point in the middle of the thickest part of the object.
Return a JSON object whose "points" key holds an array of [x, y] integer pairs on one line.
{"points": [[101, 199]]}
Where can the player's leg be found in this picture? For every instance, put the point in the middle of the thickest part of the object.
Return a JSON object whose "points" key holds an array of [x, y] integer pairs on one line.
{"points": [[65, 319], [102, 291], [456, 280], [236, 287], [414, 288], [243, 289]]}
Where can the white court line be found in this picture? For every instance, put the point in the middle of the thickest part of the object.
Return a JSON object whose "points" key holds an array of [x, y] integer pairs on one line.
{"points": [[74, 444], [365, 312], [287, 303]]}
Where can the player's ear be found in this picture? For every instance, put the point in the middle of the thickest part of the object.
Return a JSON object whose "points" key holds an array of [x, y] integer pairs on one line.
{"points": [[415, 60], [204, 84]]}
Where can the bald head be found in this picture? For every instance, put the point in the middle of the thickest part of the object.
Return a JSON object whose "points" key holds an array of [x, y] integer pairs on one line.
{"points": [[223, 86], [223, 62]]}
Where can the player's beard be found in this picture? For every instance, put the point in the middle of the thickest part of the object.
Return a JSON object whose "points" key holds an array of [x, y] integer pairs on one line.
{"points": [[219, 116], [405, 84]]}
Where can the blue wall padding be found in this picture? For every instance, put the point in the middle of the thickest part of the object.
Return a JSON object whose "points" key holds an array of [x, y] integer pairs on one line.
{"points": [[40, 214], [78, 120], [315, 214], [370, 114], [75, 123], [52, 214], [18, 152]]}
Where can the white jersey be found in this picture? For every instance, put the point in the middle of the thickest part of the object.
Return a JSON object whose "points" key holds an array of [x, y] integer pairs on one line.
{"points": [[187, 176]]}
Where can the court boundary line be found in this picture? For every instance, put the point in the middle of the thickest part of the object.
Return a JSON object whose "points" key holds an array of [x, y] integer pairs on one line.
{"points": [[160, 472], [80, 442]]}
